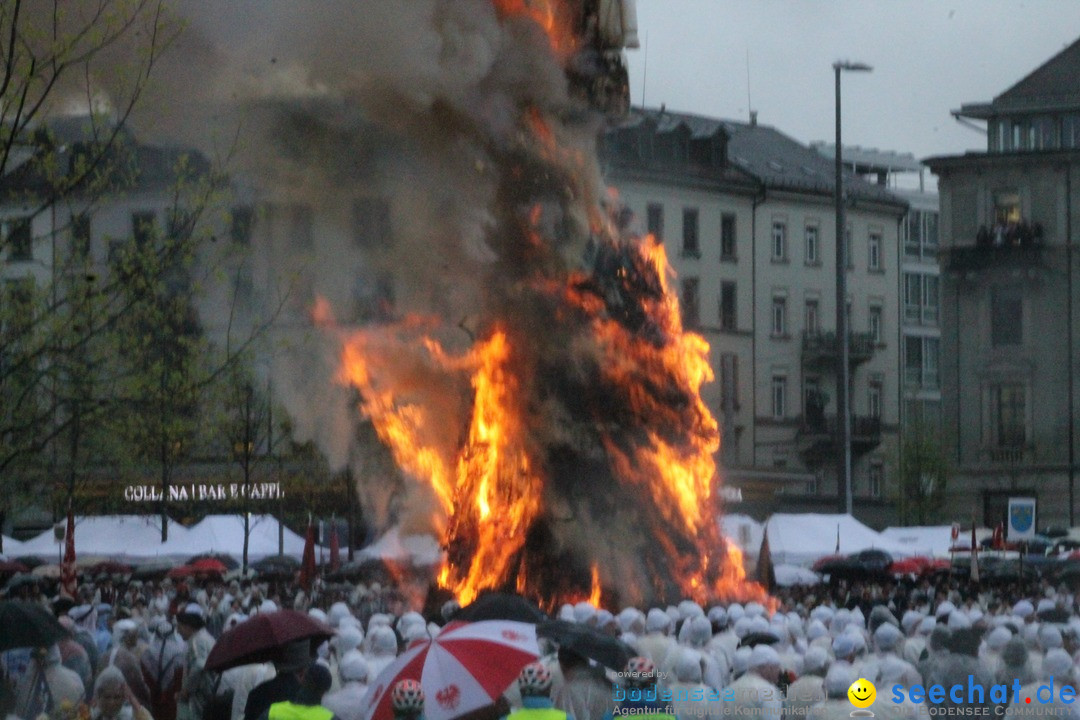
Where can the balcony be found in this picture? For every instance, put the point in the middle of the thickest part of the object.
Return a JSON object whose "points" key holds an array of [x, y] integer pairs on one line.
{"points": [[1013, 246], [818, 436], [821, 349]]}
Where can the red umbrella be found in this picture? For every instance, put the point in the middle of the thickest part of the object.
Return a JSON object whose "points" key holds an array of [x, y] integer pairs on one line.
{"points": [[464, 668], [181, 571], [208, 566], [262, 638]]}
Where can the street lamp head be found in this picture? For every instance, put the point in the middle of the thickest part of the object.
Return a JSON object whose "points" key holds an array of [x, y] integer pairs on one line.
{"points": [[851, 66]]}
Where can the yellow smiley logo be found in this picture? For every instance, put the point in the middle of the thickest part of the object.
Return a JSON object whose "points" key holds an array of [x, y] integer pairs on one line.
{"points": [[862, 693]]}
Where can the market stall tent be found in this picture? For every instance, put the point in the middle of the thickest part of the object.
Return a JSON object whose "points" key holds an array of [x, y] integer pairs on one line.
{"points": [[804, 538]]}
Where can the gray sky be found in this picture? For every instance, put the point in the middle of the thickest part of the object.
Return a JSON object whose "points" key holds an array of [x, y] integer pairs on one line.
{"points": [[929, 57]]}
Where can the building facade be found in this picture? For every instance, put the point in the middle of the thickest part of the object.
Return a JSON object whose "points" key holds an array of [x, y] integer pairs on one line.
{"points": [[747, 215], [1008, 302]]}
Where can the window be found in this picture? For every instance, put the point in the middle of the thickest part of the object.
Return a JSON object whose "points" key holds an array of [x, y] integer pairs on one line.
{"points": [[1006, 316], [690, 305], [654, 218], [873, 400], [913, 233], [930, 241], [811, 486], [779, 397], [729, 382], [143, 227], [921, 298], [811, 318], [80, 236], [19, 240], [1008, 416], [812, 245], [241, 221], [728, 309], [1044, 130], [779, 316], [930, 300], [875, 323], [921, 361], [690, 244], [371, 223], [779, 240], [873, 251], [727, 236], [1006, 207], [875, 479], [1070, 131]]}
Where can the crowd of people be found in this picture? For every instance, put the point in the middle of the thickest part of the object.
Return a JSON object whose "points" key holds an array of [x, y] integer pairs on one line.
{"points": [[138, 652]]}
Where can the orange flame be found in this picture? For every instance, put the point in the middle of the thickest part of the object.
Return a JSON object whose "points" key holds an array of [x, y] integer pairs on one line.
{"points": [[550, 15], [594, 592]]}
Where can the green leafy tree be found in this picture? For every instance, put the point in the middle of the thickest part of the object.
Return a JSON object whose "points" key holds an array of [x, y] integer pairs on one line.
{"points": [[924, 474]]}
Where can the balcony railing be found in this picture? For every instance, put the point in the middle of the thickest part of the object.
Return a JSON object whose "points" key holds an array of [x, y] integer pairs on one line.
{"points": [[1013, 455], [818, 435], [1013, 245], [822, 347]]}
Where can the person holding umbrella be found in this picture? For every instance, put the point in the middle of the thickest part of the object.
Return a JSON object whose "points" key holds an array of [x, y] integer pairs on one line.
{"points": [[306, 704], [534, 684]]}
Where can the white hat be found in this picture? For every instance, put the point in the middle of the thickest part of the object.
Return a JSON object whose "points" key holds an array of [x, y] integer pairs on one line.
{"points": [[741, 660], [958, 620], [927, 625], [910, 621], [353, 666], [689, 609], [268, 606], [318, 615], [1044, 605], [1023, 609], [843, 646], [816, 661], [348, 637], [1049, 637], [996, 638], [763, 655], [837, 681], [688, 666], [1057, 664], [887, 637], [657, 621], [944, 609], [125, 626]]}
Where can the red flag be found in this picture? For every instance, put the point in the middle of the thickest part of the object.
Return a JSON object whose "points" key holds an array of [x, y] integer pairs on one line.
{"points": [[69, 581], [335, 549], [307, 564], [999, 537]]}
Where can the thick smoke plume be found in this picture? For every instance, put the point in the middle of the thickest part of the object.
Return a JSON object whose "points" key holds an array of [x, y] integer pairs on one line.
{"points": [[508, 272]]}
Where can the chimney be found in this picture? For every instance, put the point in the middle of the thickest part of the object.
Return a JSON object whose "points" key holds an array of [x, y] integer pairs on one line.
{"points": [[753, 118]]}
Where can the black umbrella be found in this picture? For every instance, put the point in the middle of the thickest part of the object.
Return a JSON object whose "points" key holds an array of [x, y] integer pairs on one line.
{"points": [[585, 641], [758, 638], [501, 606], [27, 624]]}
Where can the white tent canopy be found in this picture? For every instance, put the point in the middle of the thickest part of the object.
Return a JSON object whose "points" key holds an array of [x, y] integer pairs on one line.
{"points": [[934, 541], [225, 534], [12, 547], [801, 539], [744, 531], [418, 549], [120, 536]]}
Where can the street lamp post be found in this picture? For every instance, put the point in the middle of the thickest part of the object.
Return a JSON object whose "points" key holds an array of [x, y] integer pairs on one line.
{"points": [[843, 378]]}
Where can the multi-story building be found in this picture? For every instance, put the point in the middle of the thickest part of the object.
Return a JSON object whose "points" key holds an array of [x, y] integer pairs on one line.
{"points": [[919, 292], [747, 215], [1007, 298]]}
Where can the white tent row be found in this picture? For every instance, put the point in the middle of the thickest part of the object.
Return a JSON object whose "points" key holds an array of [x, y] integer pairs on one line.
{"points": [[420, 550], [12, 547], [138, 537], [801, 539], [933, 541]]}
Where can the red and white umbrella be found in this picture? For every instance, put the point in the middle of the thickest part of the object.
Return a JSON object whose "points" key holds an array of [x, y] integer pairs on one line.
{"points": [[463, 668]]}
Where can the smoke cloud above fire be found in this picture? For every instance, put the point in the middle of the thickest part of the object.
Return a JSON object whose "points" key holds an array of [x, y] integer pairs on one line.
{"points": [[531, 397]]}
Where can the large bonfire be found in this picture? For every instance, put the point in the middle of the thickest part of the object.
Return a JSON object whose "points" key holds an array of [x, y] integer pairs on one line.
{"points": [[561, 427]]}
